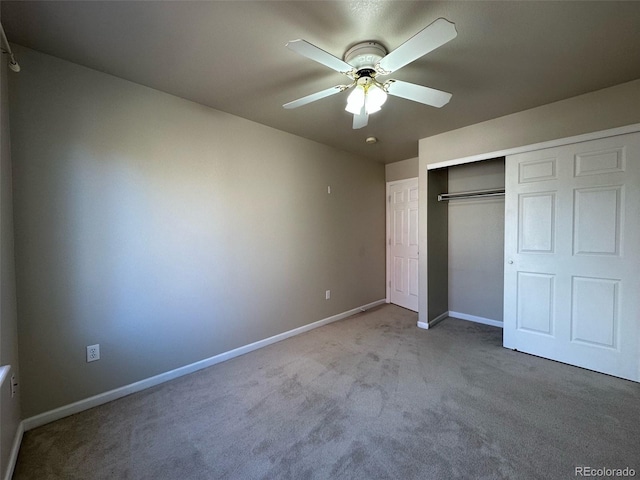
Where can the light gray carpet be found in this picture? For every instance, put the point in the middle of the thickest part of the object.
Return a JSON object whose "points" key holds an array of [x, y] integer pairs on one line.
{"points": [[369, 397]]}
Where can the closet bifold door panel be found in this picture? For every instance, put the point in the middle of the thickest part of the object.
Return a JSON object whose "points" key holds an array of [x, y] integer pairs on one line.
{"points": [[572, 254]]}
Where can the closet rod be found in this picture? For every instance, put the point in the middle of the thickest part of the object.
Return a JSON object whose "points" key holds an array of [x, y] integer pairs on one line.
{"points": [[6, 48], [497, 192]]}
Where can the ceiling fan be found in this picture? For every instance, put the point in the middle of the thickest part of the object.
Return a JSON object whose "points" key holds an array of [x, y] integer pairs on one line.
{"points": [[366, 61]]}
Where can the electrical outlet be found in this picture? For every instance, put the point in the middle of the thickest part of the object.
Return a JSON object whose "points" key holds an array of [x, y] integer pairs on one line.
{"points": [[14, 386], [93, 352], [327, 295]]}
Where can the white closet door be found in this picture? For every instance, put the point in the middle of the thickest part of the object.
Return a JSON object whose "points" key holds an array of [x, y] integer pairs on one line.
{"points": [[572, 252], [402, 257]]}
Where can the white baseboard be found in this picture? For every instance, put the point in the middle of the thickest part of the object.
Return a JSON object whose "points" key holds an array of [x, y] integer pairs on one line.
{"points": [[102, 398], [13, 457], [475, 318], [431, 323], [438, 319]]}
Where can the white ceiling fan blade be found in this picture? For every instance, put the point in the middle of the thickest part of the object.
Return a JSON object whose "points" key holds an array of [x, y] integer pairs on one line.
{"points": [[361, 120], [315, 96], [418, 93], [433, 36], [308, 50]]}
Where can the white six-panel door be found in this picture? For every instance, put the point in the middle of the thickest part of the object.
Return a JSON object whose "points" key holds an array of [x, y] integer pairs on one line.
{"points": [[572, 253], [402, 243]]}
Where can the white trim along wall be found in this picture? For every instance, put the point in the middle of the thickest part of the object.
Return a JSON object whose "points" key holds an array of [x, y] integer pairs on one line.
{"points": [[537, 146], [102, 398], [87, 403], [460, 316]]}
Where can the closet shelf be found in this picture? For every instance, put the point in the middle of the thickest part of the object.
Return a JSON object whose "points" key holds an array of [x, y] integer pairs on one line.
{"points": [[496, 192]]}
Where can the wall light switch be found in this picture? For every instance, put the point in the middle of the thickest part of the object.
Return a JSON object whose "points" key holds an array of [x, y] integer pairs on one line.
{"points": [[327, 294], [14, 385]]}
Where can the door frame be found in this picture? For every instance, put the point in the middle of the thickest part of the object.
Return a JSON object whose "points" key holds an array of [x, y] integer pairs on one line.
{"points": [[388, 232], [611, 132]]}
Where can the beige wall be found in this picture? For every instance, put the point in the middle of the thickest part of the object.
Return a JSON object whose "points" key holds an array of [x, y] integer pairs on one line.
{"points": [[169, 232], [608, 108], [401, 170], [9, 407]]}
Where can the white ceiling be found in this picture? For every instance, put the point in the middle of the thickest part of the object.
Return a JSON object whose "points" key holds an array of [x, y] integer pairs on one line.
{"points": [[508, 56]]}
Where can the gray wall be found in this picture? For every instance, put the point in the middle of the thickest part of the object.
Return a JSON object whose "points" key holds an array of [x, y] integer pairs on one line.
{"points": [[401, 170], [438, 245], [9, 407], [476, 241], [169, 232], [608, 108]]}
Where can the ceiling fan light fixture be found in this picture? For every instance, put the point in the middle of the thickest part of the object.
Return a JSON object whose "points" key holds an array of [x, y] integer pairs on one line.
{"points": [[367, 95], [364, 61], [375, 98], [356, 100]]}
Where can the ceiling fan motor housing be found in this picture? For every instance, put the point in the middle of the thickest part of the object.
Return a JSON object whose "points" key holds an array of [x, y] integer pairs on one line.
{"points": [[364, 56]]}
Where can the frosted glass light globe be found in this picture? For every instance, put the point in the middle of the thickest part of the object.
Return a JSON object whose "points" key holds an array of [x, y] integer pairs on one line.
{"points": [[356, 100], [376, 97]]}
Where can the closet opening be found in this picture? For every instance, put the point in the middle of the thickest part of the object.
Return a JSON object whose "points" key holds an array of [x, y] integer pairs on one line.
{"points": [[466, 242]]}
